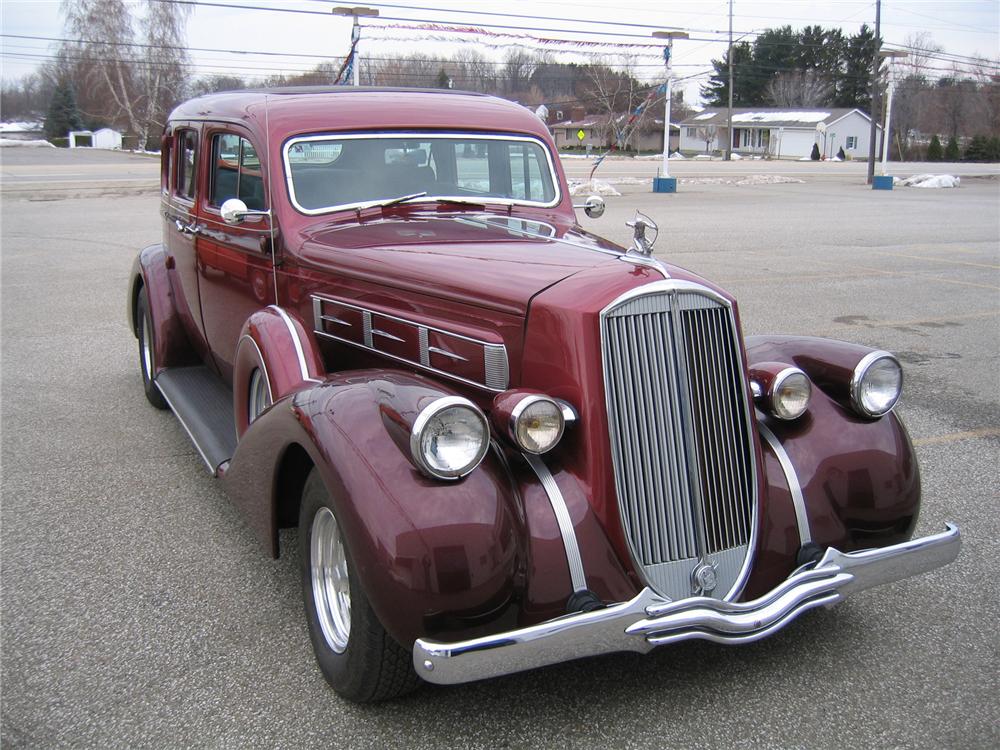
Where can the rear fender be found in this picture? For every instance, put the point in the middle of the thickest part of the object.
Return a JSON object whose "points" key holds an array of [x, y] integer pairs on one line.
{"points": [[433, 557], [172, 348]]}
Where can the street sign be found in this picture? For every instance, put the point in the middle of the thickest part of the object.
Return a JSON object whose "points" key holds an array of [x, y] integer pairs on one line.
{"points": [[580, 134]]}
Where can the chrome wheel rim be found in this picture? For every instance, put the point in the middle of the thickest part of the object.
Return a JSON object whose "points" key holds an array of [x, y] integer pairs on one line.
{"points": [[331, 587], [260, 395], [147, 347]]}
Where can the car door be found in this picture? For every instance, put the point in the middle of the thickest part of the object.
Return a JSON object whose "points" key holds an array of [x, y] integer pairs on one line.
{"points": [[236, 273], [180, 227]]}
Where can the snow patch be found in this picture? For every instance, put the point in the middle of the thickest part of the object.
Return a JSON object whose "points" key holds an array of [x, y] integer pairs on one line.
{"points": [[677, 155], [735, 157], [703, 156], [14, 143], [928, 181], [753, 179], [781, 116], [593, 187], [706, 116]]}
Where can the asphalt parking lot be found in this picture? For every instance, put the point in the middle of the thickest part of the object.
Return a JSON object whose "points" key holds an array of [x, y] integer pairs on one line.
{"points": [[138, 610]]}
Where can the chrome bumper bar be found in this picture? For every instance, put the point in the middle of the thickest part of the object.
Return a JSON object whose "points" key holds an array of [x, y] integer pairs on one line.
{"points": [[649, 620]]}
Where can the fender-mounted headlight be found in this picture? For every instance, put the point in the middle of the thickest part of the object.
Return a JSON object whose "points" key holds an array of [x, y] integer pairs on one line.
{"points": [[532, 421], [876, 384], [450, 437], [783, 391]]}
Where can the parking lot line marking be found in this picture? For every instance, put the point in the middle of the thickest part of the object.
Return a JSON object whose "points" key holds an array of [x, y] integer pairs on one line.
{"points": [[908, 274], [941, 260], [953, 437]]}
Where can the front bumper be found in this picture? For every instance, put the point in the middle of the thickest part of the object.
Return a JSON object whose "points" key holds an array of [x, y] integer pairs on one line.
{"points": [[649, 620]]}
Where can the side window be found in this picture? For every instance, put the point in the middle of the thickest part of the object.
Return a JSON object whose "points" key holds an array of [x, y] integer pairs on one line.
{"points": [[236, 172], [526, 173], [473, 167], [187, 143]]}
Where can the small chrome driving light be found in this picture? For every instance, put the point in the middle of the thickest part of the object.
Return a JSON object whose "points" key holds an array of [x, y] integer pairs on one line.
{"points": [[537, 424], [790, 393], [876, 384], [450, 437]]}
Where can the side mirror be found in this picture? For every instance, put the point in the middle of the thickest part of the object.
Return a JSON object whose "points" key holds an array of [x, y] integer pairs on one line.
{"points": [[593, 206], [642, 243], [234, 211]]}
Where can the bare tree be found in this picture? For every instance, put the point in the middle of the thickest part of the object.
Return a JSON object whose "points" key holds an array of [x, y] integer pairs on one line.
{"points": [[135, 82], [799, 88], [920, 51], [707, 133]]}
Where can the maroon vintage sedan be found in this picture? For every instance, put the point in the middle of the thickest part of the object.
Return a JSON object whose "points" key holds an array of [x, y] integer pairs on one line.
{"points": [[505, 442]]}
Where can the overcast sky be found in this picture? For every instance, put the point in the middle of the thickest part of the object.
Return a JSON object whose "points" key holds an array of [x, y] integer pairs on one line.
{"points": [[962, 27]]}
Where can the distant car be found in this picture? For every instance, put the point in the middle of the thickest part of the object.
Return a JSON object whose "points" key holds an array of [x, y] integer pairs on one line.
{"points": [[505, 442]]}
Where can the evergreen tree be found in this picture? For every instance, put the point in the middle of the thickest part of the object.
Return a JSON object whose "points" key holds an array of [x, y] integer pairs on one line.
{"points": [[934, 151], [951, 152], [716, 91], [62, 116], [815, 152], [855, 76], [443, 81]]}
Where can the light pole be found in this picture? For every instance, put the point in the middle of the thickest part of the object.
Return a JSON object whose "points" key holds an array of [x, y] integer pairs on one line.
{"points": [[357, 11], [891, 54], [664, 184]]}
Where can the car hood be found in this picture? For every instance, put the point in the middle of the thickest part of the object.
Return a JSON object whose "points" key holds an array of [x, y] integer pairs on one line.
{"points": [[492, 261]]}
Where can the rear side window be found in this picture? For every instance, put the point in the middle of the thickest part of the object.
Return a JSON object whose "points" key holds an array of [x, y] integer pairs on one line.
{"points": [[187, 141], [236, 172]]}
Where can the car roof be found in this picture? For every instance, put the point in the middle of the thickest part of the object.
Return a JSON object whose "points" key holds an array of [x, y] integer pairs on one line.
{"points": [[285, 112]]}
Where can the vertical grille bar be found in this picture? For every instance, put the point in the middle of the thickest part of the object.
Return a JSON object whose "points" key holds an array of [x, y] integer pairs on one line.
{"points": [[682, 451]]}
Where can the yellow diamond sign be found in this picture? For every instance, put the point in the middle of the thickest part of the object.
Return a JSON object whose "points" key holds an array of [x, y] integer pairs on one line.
{"points": [[580, 134]]}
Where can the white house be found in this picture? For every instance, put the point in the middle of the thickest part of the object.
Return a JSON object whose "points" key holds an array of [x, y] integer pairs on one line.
{"points": [[103, 138], [108, 138], [779, 132]]}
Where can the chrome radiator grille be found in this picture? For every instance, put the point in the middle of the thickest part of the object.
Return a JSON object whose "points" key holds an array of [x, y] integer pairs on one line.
{"points": [[680, 437]]}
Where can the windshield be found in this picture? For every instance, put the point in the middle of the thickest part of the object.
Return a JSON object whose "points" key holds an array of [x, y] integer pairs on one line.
{"points": [[326, 173]]}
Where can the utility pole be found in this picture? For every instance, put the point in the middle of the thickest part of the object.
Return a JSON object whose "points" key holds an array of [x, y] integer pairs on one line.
{"points": [[875, 66], [668, 54], [891, 54], [356, 11], [729, 117]]}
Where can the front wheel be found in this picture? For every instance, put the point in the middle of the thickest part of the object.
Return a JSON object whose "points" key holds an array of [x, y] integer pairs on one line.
{"points": [[357, 657], [144, 324]]}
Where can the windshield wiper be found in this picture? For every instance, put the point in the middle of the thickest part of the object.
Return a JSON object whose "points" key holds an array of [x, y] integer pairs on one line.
{"points": [[401, 199]]}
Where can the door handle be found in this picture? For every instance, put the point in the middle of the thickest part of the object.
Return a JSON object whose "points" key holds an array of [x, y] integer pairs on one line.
{"points": [[191, 228]]}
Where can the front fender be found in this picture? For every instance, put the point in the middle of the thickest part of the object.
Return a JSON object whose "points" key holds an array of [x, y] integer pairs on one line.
{"points": [[858, 478], [433, 557]]}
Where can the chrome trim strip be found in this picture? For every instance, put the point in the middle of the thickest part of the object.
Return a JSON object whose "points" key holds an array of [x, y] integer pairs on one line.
{"points": [[260, 357], [792, 479], [649, 620], [577, 575], [213, 470], [299, 353], [445, 352], [569, 412], [495, 362], [386, 335], [480, 199], [648, 261]]}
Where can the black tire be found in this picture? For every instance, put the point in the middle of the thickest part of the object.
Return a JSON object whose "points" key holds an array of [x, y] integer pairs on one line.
{"points": [[369, 666], [146, 352]]}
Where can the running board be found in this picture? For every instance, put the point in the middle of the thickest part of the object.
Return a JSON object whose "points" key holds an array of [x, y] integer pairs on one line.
{"points": [[204, 406]]}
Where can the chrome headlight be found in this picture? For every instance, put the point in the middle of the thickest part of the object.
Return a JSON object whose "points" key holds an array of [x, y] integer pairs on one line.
{"points": [[789, 394], [537, 423], [876, 384], [449, 438]]}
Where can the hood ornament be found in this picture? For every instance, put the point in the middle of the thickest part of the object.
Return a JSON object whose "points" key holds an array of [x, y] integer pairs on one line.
{"points": [[642, 242]]}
